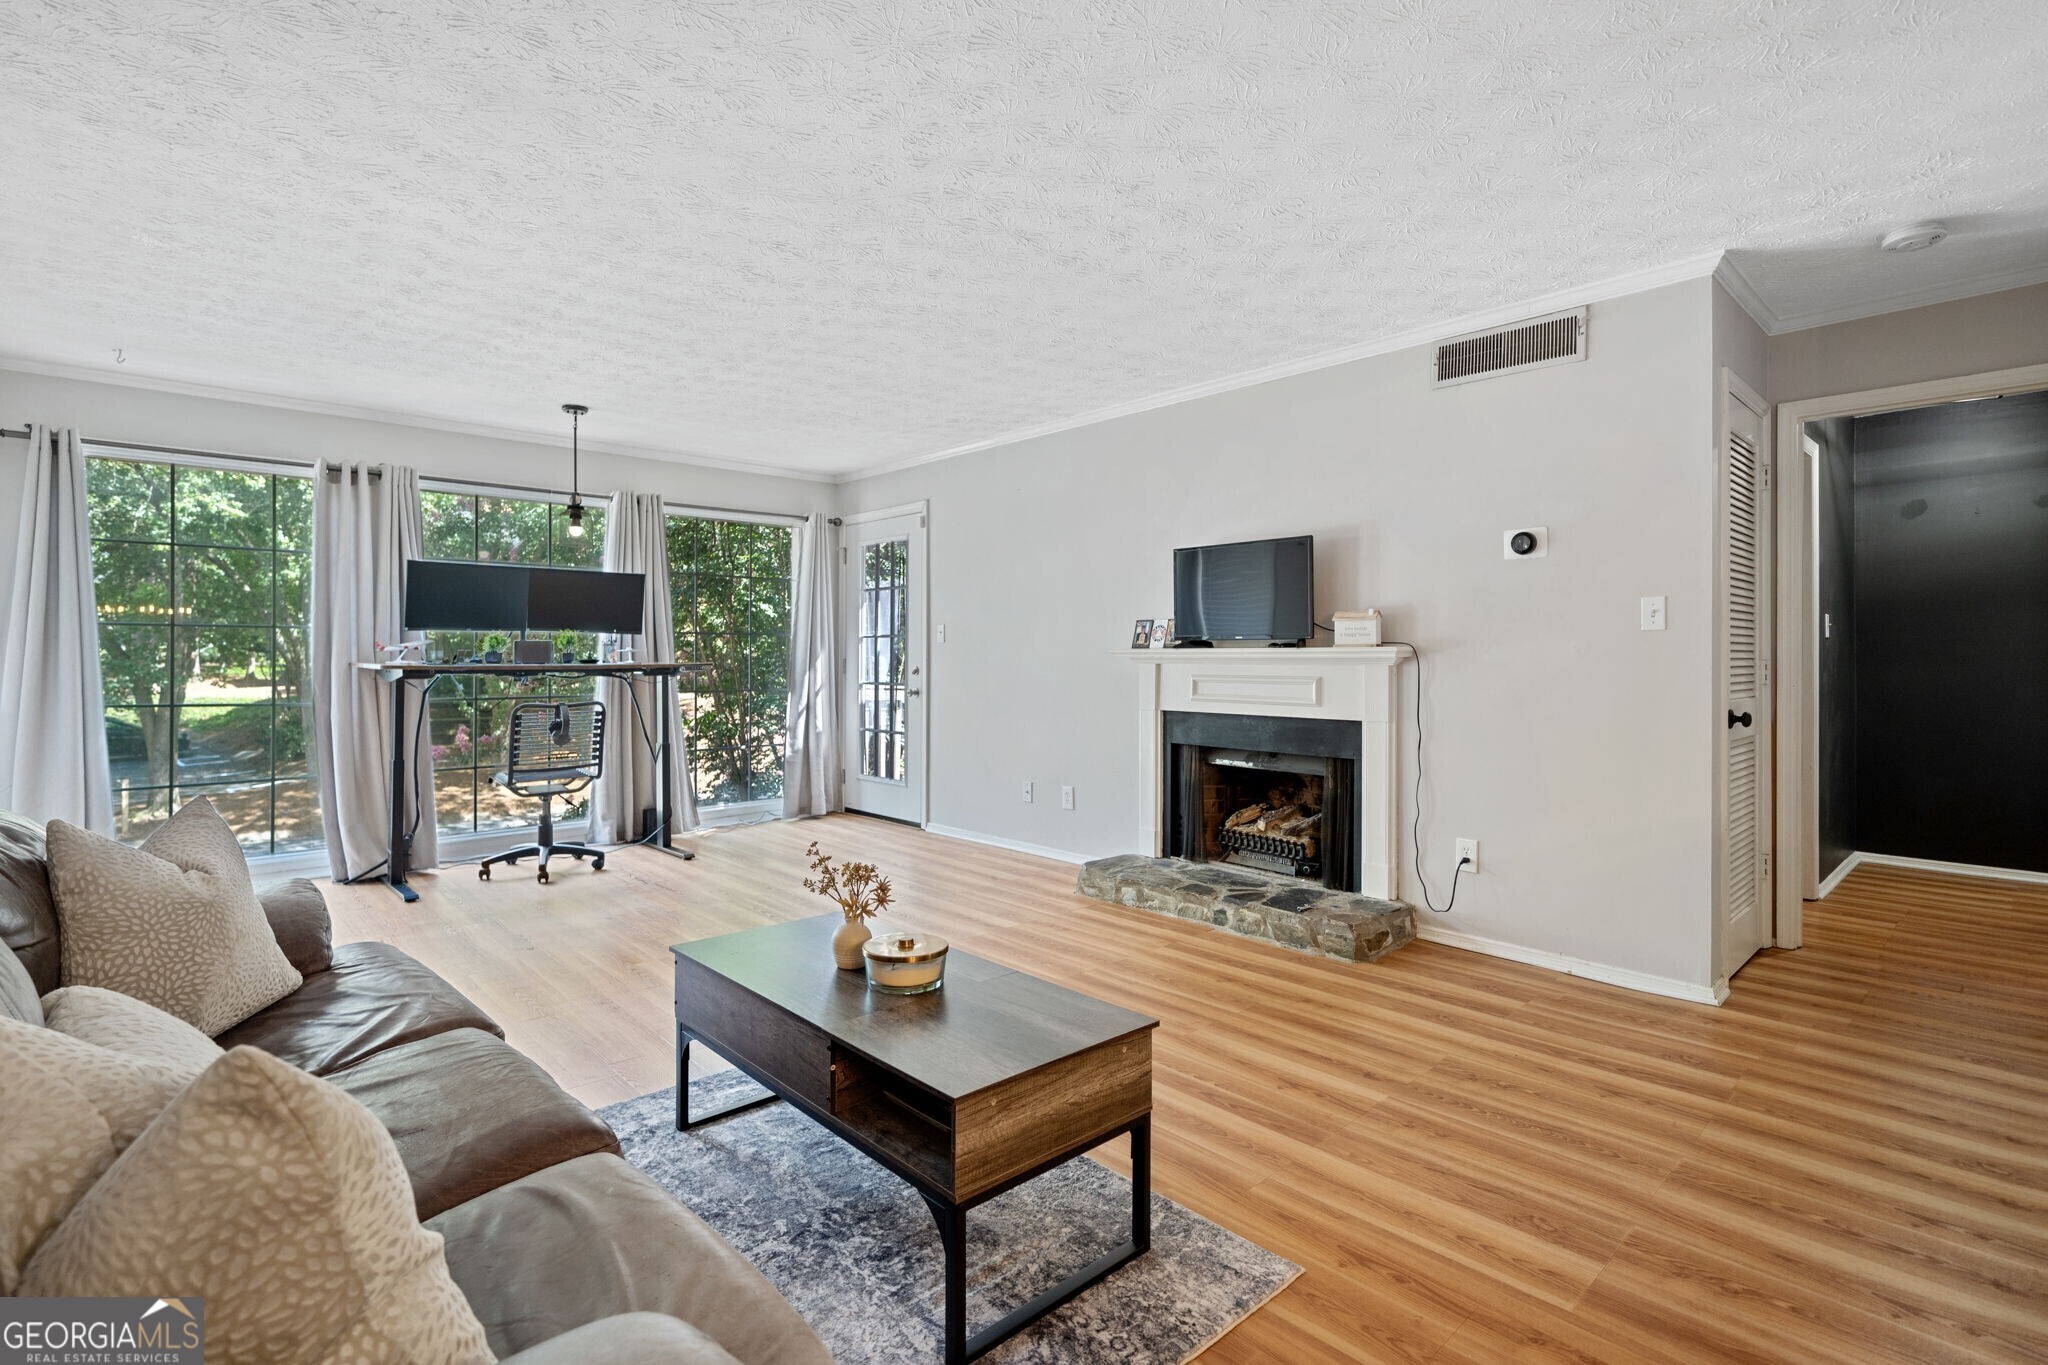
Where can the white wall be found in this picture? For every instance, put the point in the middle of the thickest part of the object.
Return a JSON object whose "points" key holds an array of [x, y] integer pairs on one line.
{"points": [[117, 412], [2000, 331], [1574, 746]]}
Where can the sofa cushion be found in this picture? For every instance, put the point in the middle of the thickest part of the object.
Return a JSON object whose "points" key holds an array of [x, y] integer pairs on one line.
{"points": [[174, 921], [298, 920], [628, 1339], [280, 1201], [19, 998], [469, 1113], [28, 917], [594, 1237], [373, 997], [71, 1108], [131, 1027]]}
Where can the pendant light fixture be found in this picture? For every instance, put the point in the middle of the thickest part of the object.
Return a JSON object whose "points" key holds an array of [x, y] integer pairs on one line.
{"points": [[575, 411]]}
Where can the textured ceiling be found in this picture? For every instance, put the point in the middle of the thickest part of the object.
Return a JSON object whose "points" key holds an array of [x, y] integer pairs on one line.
{"points": [[832, 234]]}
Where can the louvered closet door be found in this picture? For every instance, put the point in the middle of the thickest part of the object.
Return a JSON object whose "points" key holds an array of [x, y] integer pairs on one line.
{"points": [[1746, 774]]}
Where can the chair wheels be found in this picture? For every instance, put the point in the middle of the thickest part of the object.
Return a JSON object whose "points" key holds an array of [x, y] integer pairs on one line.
{"points": [[483, 874], [541, 876]]}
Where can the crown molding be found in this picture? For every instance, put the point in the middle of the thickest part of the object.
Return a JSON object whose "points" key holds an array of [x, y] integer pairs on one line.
{"points": [[1730, 277], [1970, 287], [1634, 282], [397, 417]]}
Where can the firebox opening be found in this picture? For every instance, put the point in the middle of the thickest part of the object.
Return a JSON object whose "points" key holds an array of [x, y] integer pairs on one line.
{"points": [[1272, 794], [1263, 811]]}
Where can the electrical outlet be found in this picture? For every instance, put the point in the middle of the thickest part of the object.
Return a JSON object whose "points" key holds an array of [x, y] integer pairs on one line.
{"points": [[1468, 851], [1066, 798], [1027, 791]]}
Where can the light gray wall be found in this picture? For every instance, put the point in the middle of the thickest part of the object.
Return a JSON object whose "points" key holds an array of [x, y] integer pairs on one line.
{"points": [[116, 412], [1574, 746], [1970, 336], [1739, 344]]}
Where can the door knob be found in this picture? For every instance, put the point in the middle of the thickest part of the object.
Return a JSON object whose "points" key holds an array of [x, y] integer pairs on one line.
{"points": [[1735, 720]]}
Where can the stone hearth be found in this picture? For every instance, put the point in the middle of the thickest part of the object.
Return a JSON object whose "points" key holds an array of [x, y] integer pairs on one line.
{"points": [[1284, 910]]}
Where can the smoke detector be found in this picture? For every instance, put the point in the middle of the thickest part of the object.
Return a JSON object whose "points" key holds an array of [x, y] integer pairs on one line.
{"points": [[1917, 237]]}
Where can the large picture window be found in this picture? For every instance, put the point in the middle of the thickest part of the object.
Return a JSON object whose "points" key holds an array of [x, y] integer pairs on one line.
{"points": [[730, 580], [468, 716], [201, 578]]}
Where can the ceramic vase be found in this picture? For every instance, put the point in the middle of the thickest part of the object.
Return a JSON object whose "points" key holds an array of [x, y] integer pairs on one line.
{"points": [[846, 941]]}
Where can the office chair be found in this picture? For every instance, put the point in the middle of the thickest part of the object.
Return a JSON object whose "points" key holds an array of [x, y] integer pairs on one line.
{"points": [[554, 749]]}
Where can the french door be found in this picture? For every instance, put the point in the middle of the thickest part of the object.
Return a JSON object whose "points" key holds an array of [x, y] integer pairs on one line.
{"points": [[882, 578], [1743, 718]]}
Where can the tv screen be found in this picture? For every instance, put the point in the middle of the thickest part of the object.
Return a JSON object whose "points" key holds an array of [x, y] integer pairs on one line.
{"points": [[1252, 590], [446, 595], [452, 595], [585, 599]]}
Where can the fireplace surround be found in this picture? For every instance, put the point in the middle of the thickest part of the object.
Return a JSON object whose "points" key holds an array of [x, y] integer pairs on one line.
{"points": [[1354, 690]]}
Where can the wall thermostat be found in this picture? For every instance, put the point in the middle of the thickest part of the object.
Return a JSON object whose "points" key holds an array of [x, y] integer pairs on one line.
{"points": [[1531, 542]]}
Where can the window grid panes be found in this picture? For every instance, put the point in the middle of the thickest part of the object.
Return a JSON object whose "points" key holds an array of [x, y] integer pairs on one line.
{"points": [[201, 579], [884, 626], [468, 717], [730, 582]]}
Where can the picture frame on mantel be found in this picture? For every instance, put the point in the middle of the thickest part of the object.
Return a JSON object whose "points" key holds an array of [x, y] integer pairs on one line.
{"points": [[1162, 633], [1141, 633]]}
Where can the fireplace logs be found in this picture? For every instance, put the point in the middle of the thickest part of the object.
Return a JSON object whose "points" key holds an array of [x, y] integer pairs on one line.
{"points": [[1279, 833]]}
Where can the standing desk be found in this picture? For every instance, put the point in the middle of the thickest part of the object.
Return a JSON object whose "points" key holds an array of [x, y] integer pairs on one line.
{"points": [[400, 672]]}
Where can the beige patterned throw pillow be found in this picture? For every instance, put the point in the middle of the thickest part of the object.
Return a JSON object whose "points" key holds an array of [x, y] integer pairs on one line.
{"points": [[174, 922], [134, 1028], [69, 1109], [283, 1202]]}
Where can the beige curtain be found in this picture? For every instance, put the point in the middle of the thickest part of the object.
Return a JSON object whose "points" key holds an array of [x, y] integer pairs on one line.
{"points": [[366, 524], [636, 541], [53, 724], [810, 768]]}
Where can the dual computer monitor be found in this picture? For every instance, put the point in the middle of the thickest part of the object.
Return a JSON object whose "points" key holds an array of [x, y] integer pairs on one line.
{"points": [[451, 595]]}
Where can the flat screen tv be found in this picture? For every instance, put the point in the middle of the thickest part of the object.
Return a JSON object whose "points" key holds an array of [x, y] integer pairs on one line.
{"points": [[1250, 590], [452, 595]]}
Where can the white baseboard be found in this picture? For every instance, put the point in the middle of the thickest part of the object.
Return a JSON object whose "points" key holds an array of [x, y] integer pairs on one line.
{"points": [[1574, 966], [1835, 878], [2003, 874], [1014, 845]]}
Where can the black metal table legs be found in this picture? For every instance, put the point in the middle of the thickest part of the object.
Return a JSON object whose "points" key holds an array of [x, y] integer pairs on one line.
{"points": [[952, 1221], [683, 1120]]}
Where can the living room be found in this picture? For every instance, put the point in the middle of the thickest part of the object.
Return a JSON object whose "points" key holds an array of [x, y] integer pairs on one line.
{"points": [[1270, 571]]}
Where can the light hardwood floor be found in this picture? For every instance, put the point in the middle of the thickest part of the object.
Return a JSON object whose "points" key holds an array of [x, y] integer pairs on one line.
{"points": [[1474, 1160]]}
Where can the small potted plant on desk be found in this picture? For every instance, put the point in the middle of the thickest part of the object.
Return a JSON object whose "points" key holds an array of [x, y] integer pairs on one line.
{"points": [[860, 891], [494, 646], [565, 646]]}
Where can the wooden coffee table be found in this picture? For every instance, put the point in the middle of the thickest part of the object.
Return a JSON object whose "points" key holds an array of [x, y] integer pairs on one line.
{"points": [[965, 1092]]}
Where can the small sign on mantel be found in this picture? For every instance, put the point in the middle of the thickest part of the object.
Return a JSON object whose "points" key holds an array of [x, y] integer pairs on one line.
{"points": [[1356, 629]]}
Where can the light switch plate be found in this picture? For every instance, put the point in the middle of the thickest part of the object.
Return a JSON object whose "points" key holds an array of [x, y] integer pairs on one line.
{"points": [[1653, 613]]}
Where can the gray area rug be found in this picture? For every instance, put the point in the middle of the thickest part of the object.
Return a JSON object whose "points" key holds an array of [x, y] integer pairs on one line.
{"points": [[855, 1249]]}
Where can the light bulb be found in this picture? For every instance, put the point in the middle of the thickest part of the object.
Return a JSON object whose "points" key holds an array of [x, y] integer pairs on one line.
{"points": [[576, 529]]}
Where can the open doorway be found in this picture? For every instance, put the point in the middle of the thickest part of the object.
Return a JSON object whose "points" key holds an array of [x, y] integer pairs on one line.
{"points": [[1919, 557]]}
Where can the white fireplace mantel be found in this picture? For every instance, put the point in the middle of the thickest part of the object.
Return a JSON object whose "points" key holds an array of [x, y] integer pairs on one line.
{"points": [[1317, 683]]}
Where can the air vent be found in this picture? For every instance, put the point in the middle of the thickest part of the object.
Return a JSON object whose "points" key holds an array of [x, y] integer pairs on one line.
{"points": [[1556, 340]]}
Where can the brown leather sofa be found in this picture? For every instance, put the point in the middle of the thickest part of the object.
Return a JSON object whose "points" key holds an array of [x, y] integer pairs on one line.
{"points": [[565, 1251]]}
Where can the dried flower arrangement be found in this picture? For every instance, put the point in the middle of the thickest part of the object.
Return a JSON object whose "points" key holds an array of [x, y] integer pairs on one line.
{"points": [[858, 889]]}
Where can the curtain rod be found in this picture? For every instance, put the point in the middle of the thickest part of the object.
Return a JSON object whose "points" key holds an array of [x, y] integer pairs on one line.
{"points": [[488, 485]]}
